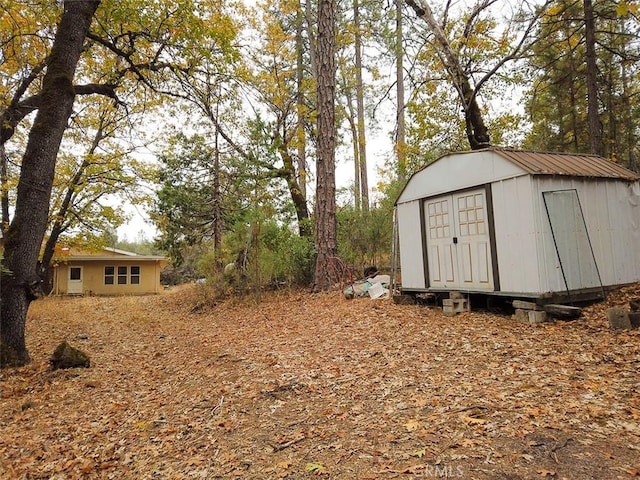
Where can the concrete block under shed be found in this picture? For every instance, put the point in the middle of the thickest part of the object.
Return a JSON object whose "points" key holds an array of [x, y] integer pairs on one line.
{"points": [[522, 315], [537, 316], [530, 316], [563, 312], [455, 304], [618, 318], [449, 310], [523, 305]]}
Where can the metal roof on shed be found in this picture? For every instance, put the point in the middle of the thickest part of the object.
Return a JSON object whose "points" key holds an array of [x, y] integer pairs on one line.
{"points": [[572, 164]]}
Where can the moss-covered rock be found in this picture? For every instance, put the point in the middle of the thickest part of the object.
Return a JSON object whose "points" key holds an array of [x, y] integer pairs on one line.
{"points": [[66, 356]]}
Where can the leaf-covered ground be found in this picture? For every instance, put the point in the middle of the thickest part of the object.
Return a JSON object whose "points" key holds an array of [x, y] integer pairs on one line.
{"points": [[301, 385]]}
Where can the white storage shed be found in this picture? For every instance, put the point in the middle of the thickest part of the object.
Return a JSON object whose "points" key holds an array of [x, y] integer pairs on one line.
{"points": [[544, 226]]}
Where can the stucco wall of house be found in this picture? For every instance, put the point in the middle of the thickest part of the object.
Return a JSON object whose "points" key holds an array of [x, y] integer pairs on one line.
{"points": [[93, 277]]}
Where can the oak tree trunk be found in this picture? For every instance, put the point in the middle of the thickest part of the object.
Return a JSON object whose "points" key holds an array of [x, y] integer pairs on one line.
{"points": [[477, 132], [26, 231]]}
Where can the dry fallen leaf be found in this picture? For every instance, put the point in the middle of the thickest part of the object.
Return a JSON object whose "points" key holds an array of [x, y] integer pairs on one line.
{"points": [[412, 425], [547, 473]]}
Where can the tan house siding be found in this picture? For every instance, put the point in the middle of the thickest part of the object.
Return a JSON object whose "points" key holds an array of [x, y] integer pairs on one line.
{"points": [[107, 273]]}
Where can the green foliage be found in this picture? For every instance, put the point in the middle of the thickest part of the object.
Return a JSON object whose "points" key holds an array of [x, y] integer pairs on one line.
{"points": [[557, 95], [480, 42], [190, 268], [364, 238], [184, 203], [141, 246], [269, 254]]}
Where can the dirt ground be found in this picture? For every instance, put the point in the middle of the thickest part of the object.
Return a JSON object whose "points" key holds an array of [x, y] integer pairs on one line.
{"points": [[302, 385]]}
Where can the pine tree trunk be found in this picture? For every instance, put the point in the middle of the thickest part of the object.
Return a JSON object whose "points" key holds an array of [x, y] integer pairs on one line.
{"points": [[217, 201], [362, 142], [288, 173], [325, 212], [353, 127], [311, 35], [300, 104], [595, 126], [26, 232], [401, 148]]}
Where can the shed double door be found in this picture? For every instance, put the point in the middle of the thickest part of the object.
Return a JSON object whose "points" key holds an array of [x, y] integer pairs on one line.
{"points": [[458, 241]]}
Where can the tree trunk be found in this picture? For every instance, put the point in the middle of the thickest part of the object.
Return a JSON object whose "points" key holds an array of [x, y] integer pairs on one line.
{"points": [[401, 148], [362, 143], [217, 195], [4, 189], [353, 127], [325, 211], [595, 126], [351, 118], [217, 202], [631, 140], [301, 142], [288, 173], [311, 35], [26, 231], [573, 102], [59, 223]]}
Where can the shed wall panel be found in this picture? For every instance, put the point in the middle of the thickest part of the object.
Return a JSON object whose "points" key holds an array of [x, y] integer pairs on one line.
{"points": [[411, 247], [611, 219], [515, 235]]}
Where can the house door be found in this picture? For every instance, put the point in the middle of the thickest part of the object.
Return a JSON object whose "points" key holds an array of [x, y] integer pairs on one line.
{"points": [[458, 244], [74, 284]]}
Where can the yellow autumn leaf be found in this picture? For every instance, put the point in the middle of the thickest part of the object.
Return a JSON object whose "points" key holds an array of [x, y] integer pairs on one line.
{"points": [[419, 453], [316, 468], [412, 425]]}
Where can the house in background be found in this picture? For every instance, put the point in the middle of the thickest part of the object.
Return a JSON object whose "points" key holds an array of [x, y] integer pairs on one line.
{"points": [[108, 271], [545, 226]]}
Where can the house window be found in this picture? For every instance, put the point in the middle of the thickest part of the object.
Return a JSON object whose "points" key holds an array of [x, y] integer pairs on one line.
{"points": [[122, 275], [109, 275], [75, 273], [135, 275]]}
